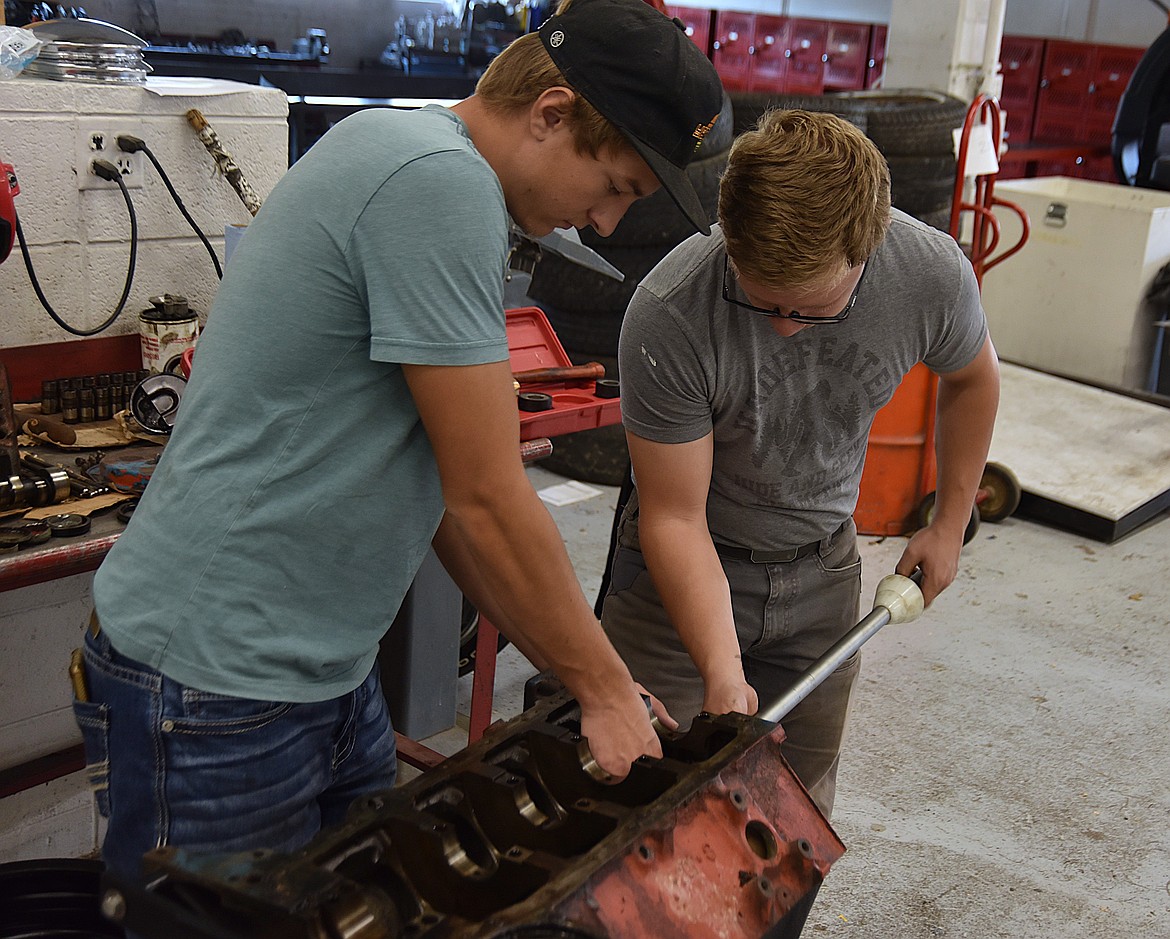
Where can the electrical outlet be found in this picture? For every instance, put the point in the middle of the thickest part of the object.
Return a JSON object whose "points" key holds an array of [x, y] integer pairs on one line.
{"points": [[98, 140]]}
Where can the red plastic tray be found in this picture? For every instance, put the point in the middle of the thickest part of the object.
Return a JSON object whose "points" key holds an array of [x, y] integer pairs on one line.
{"points": [[533, 344]]}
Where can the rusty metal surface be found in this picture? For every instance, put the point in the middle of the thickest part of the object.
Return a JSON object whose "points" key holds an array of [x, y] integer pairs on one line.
{"points": [[59, 558], [511, 838]]}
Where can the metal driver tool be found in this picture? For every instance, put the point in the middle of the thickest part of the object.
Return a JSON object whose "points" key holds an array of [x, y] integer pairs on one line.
{"points": [[898, 599]]}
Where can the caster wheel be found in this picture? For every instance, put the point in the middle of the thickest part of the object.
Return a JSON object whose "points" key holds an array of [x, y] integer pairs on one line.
{"points": [[925, 515], [999, 493]]}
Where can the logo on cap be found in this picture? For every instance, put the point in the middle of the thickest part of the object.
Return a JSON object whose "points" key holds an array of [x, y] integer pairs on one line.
{"points": [[701, 130], [556, 39]]}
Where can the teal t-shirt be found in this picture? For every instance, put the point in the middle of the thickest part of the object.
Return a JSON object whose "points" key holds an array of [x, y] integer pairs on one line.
{"points": [[298, 493]]}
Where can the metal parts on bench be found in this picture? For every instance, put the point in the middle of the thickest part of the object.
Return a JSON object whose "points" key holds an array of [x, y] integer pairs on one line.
{"points": [[154, 402], [511, 838]]}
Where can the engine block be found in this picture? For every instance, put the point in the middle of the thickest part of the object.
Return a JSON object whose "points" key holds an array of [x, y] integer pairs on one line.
{"points": [[512, 839]]}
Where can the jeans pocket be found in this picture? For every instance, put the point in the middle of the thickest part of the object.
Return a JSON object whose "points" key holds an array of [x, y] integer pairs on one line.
{"points": [[850, 565], [628, 565], [94, 721], [205, 712]]}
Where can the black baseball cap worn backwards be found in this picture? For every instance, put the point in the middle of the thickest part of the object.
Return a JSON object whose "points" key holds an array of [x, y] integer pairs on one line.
{"points": [[639, 69]]}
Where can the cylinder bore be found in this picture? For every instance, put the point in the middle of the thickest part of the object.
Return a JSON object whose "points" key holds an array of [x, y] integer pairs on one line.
{"points": [[761, 839]]}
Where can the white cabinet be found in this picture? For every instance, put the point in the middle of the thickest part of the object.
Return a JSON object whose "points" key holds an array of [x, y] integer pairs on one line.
{"points": [[1071, 301]]}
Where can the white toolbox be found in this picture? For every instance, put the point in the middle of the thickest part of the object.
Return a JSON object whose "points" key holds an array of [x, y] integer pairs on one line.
{"points": [[1071, 302]]}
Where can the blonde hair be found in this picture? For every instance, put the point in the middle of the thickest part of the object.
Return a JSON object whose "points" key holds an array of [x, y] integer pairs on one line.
{"points": [[523, 71], [803, 194]]}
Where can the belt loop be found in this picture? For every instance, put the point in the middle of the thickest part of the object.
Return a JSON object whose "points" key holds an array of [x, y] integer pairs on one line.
{"points": [[830, 539]]}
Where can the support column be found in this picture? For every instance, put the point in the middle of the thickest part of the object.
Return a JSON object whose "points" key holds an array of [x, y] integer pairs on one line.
{"points": [[945, 45]]}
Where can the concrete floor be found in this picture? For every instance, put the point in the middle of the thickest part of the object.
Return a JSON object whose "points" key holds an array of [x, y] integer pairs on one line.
{"points": [[1007, 772]]}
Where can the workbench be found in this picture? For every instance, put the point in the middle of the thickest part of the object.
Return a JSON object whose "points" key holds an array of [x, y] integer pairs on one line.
{"points": [[61, 557], [37, 682]]}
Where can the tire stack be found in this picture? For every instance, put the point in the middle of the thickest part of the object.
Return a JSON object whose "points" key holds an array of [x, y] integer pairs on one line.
{"points": [[585, 308], [911, 127], [53, 898], [749, 106], [913, 130]]}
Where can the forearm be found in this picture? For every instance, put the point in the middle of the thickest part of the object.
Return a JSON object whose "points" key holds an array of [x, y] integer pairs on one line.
{"points": [[460, 564], [689, 578], [510, 556], [505, 547], [967, 402], [966, 419]]}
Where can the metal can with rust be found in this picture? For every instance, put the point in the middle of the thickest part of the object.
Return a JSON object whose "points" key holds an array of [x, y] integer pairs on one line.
{"points": [[168, 329]]}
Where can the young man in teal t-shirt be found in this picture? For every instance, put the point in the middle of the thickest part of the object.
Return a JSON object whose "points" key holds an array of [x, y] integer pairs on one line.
{"points": [[352, 406]]}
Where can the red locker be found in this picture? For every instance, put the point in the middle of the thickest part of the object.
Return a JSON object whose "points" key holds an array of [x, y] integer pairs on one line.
{"points": [[698, 24], [770, 62], [876, 66], [731, 48], [1080, 87], [1063, 100], [847, 51], [1058, 128], [806, 60], [1100, 168], [1111, 74], [1020, 59]]}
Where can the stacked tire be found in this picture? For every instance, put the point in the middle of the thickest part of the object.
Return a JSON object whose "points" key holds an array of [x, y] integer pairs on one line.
{"points": [[913, 128], [749, 106], [585, 308], [53, 898]]}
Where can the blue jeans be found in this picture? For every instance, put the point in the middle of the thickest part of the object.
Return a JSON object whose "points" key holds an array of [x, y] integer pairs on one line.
{"points": [[173, 765]]}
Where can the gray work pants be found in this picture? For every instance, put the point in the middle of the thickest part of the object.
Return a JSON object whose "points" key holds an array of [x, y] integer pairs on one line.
{"points": [[786, 614]]}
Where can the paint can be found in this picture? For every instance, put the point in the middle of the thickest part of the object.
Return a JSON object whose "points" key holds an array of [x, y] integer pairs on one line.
{"points": [[166, 330]]}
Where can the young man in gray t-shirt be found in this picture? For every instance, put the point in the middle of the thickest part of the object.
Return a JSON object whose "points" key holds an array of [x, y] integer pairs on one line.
{"points": [[752, 364]]}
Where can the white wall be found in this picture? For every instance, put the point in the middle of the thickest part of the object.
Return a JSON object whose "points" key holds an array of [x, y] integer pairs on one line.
{"points": [[1120, 22], [79, 239], [78, 242], [39, 626]]}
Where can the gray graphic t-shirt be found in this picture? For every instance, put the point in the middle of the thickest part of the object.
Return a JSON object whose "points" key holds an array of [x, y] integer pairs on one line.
{"points": [[790, 416]]}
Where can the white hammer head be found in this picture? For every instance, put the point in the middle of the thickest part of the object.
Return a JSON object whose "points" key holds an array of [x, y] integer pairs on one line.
{"points": [[901, 596]]}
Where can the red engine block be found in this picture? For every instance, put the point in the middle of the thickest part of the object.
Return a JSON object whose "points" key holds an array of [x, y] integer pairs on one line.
{"points": [[512, 839]]}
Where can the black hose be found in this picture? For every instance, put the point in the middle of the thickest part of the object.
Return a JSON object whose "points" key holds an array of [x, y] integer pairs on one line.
{"points": [[107, 171], [1161, 6]]}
